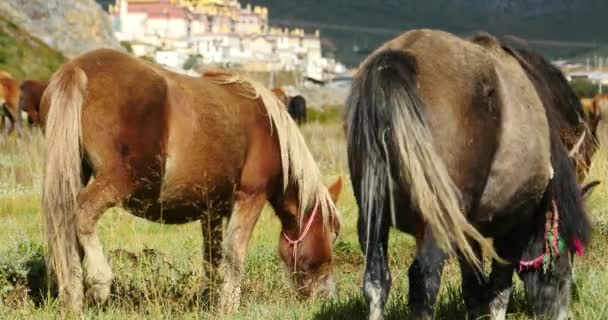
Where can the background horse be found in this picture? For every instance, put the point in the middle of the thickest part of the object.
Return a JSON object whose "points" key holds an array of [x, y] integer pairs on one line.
{"points": [[175, 149], [9, 98], [279, 93], [297, 109], [29, 100], [599, 106], [296, 106], [450, 140]]}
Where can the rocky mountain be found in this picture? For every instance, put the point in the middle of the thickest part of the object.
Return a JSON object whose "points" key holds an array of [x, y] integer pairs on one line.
{"points": [[69, 26]]}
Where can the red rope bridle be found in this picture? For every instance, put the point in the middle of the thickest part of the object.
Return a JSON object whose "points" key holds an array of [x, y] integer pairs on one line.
{"points": [[295, 243]]}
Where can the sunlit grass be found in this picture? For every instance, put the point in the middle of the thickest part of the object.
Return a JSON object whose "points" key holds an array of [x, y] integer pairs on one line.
{"points": [[159, 272]]}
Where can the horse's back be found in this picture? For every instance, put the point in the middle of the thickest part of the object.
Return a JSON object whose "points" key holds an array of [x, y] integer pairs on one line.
{"points": [[485, 117]]}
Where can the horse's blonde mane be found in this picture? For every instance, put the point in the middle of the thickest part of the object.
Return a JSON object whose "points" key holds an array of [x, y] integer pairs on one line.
{"points": [[297, 162]]}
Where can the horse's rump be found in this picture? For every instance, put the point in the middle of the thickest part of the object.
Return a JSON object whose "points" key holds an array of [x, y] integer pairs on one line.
{"points": [[474, 98]]}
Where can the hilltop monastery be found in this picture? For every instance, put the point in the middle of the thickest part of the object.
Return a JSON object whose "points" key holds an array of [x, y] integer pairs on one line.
{"points": [[222, 32]]}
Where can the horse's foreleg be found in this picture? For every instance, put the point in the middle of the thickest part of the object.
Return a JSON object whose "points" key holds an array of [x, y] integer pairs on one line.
{"points": [[499, 291], [211, 227], [93, 201], [509, 248], [373, 237], [245, 214], [425, 276]]}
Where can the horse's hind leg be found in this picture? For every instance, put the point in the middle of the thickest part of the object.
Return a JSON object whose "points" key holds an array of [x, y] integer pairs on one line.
{"points": [[377, 277], [93, 201], [473, 286], [425, 276], [245, 214]]}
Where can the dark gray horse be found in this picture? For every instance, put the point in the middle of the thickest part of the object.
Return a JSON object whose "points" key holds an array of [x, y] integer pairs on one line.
{"points": [[297, 109], [453, 140]]}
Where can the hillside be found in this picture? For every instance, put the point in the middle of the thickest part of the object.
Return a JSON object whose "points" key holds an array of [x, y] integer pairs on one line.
{"points": [[69, 26], [25, 56]]}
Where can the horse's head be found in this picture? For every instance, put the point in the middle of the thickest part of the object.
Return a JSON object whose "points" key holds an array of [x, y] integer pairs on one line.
{"points": [[306, 244]]}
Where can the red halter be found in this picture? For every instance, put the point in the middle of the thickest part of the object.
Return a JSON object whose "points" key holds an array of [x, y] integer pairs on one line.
{"points": [[294, 243]]}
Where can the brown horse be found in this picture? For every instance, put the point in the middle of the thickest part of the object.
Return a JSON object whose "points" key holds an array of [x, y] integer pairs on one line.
{"points": [[453, 140], [174, 149], [599, 107], [29, 101], [281, 95], [296, 105], [9, 101]]}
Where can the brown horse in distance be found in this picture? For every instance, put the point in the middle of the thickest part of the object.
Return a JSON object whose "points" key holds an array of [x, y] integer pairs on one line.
{"points": [[281, 95], [296, 105], [29, 101], [174, 149], [9, 101], [599, 107]]}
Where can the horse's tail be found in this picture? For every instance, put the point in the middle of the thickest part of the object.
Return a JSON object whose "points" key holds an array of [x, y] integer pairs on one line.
{"points": [[391, 148], [64, 99]]}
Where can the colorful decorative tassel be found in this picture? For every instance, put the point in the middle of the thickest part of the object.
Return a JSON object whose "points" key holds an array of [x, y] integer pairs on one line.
{"points": [[554, 245]]}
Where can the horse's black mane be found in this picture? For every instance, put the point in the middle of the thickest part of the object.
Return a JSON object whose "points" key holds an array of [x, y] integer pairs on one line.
{"points": [[563, 109]]}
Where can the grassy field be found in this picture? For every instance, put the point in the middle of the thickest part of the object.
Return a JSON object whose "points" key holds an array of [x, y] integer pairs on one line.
{"points": [[158, 269]]}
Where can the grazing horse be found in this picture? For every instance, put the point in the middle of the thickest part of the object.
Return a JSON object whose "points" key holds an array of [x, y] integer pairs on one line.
{"points": [[29, 101], [577, 129], [9, 98], [453, 140], [281, 95], [297, 109], [599, 107], [173, 149]]}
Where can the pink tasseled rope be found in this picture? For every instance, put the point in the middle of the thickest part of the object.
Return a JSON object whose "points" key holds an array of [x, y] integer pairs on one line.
{"points": [[534, 263], [578, 245], [295, 243]]}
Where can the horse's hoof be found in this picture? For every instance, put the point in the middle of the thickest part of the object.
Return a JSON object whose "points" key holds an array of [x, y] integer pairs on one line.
{"points": [[376, 314], [230, 300], [99, 293]]}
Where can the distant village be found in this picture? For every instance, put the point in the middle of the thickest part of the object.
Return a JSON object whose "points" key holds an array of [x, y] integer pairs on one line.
{"points": [[218, 32]]}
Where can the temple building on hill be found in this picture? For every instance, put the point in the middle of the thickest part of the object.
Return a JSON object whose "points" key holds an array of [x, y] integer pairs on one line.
{"points": [[222, 32]]}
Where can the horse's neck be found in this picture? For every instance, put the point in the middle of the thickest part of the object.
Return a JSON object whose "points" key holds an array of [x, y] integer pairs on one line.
{"points": [[286, 204]]}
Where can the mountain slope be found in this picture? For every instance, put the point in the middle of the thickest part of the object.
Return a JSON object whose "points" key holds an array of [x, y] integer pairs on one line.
{"points": [[70, 26], [25, 56]]}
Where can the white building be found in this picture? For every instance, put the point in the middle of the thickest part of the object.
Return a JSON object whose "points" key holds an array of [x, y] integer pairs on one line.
{"points": [[173, 59], [220, 31]]}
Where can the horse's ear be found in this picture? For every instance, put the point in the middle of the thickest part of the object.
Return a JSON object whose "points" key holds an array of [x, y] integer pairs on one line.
{"points": [[586, 189], [335, 189]]}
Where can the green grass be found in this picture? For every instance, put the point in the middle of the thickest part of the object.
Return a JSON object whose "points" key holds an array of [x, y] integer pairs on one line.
{"points": [[329, 114], [25, 56], [159, 272]]}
